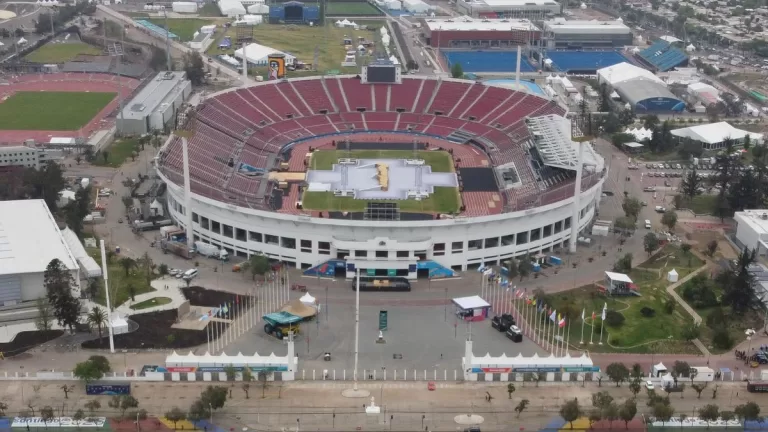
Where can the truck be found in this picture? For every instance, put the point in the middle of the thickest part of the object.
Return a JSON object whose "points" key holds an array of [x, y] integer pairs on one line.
{"points": [[177, 248], [164, 231], [211, 251], [151, 225], [280, 323]]}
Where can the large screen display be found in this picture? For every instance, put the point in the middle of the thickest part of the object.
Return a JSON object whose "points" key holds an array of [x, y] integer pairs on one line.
{"points": [[381, 74]]}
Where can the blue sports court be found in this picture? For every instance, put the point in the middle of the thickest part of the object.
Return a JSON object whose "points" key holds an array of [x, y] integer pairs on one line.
{"points": [[584, 61], [487, 61]]}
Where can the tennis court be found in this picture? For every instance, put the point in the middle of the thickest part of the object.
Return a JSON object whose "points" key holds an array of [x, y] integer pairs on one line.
{"points": [[584, 61], [487, 61]]}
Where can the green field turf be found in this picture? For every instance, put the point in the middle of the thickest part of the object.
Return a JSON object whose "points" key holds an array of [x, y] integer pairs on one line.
{"points": [[352, 8], [60, 52], [443, 200], [64, 111], [184, 28], [301, 41]]}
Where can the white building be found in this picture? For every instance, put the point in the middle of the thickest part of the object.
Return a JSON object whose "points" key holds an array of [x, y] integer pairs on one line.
{"points": [[508, 8], [231, 8], [257, 54], [752, 229], [621, 72], [155, 107], [569, 34], [23, 156], [416, 6], [29, 239], [712, 136], [703, 93]]}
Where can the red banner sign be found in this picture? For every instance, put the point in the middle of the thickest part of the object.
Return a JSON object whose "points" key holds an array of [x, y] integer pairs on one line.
{"points": [[181, 369], [497, 370]]}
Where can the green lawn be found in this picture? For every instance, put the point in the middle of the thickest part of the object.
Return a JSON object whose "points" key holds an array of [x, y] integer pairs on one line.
{"points": [[671, 257], [54, 111], [444, 200], [638, 334], [184, 28], [61, 52], [351, 8], [119, 282], [440, 161], [700, 204], [150, 303], [301, 41], [117, 152]]}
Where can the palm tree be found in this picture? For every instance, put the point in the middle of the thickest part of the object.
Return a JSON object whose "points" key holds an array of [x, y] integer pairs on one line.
{"points": [[127, 264], [98, 318]]}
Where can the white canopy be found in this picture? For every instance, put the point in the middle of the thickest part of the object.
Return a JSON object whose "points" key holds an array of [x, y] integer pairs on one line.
{"points": [[658, 369], [208, 360], [534, 361], [21, 41], [471, 302], [308, 299], [672, 276], [668, 378], [618, 277], [119, 325]]}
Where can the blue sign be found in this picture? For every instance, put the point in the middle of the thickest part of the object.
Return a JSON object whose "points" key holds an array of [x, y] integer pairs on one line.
{"points": [[536, 369]]}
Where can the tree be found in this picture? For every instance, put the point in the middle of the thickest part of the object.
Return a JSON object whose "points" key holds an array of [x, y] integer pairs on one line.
{"points": [[712, 248], [46, 414], [632, 207], [175, 415], [263, 378], [510, 390], [680, 369], [611, 413], [650, 243], [691, 185], [127, 264], [749, 411], [66, 389], [625, 225], [194, 67], [709, 413], [199, 410], [727, 416], [127, 402], [624, 264], [690, 332], [637, 371], [521, 406], [512, 271], [44, 320], [457, 71], [97, 317], [635, 387], [524, 267], [92, 406], [570, 411], [92, 369], [738, 283], [698, 388], [669, 219], [628, 411], [259, 265], [214, 396], [3, 408], [231, 372], [594, 416], [162, 269], [617, 372], [662, 412], [58, 283], [78, 417], [601, 400]]}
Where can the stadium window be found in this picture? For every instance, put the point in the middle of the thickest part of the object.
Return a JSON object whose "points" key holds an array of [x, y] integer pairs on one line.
{"points": [[204, 223], [227, 231], [491, 242], [475, 244], [240, 234], [216, 227], [508, 240], [535, 234], [457, 247], [547, 230], [288, 243], [420, 255], [522, 238], [255, 237], [306, 245], [270, 239], [323, 246], [361, 254], [558, 226], [403, 254], [567, 223], [382, 254], [194, 217]]}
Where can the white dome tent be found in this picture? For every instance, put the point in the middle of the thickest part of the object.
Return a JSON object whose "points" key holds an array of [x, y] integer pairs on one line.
{"points": [[308, 300], [672, 276], [583, 6], [690, 48]]}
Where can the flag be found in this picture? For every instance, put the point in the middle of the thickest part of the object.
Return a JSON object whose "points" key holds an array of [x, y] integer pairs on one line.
{"points": [[237, 300], [541, 307], [605, 308], [534, 302], [582, 314], [593, 315], [561, 323], [520, 293], [553, 316], [225, 309]]}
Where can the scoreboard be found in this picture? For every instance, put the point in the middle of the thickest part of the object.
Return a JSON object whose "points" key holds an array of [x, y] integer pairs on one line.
{"points": [[381, 74]]}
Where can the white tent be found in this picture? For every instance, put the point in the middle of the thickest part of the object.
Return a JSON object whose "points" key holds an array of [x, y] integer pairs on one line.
{"points": [[1, 44], [659, 369], [690, 48], [672, 276], [667, 380], [383, 30], [21, 41], [258, 54], [308, 300], [583, 6], [119, 325], [394, 60], [339, 23]]}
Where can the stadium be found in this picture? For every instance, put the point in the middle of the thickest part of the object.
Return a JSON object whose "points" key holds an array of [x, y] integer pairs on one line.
{"points": [[412, 177]]}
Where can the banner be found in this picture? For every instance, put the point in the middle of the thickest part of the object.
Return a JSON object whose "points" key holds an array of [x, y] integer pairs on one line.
{"points": [[194, 369], [37, 422]]}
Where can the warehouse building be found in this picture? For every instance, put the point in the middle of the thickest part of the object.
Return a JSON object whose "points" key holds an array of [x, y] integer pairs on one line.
{"points": [[508, 8], [575, 35], [156, 105], [29, 240], [24, 156], [473, 33], [713, 136], [752, 229], [639, 88]]}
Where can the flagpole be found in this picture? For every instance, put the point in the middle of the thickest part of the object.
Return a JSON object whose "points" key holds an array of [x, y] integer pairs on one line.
{"points": [[535, 318], [208, 335], [602, 324], [554, 327], [482, 287], [568, 340], [583, 317], [592, 329]]}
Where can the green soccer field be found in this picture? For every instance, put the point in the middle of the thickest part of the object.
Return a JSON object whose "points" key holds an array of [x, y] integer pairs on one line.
{"points": [[352, 8], [63, 111], [61, 52], [443, 200]]}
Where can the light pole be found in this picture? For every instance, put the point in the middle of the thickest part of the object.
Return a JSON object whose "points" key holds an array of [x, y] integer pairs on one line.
{"points": [[357, 323]]}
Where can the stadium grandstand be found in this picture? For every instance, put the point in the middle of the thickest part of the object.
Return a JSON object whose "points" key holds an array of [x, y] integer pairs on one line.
{"points": [[640, 88], [473, 33], [266, 161], [578, 35], [581, 62], [508, 8], [663, 55]]}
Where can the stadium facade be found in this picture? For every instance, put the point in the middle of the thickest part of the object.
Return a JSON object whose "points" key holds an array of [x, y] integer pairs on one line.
{"points": [[508, 8], [576, 35], [474, 33], [248, 144]]}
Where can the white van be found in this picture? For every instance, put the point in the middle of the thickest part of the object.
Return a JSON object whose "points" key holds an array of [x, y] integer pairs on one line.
{"points": [[189, 274], [647, 224]]}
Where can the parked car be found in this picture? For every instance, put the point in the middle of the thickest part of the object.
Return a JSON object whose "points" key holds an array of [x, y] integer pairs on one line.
{"points": [[649, 385]]}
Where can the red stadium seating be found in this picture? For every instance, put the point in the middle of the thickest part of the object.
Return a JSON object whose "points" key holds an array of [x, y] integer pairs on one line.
{"points": [[448, 95], [380, 92], [358, 95], [314, 94]]}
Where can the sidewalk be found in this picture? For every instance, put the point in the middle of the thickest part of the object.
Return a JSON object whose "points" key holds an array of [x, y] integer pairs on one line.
{"points": [[166, 286]]}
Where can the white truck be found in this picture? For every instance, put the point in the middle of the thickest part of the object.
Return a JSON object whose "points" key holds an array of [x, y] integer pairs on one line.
{"points": [[211, 251]]}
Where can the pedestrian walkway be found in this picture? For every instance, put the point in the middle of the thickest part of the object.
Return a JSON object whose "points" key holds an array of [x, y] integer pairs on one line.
{"points": [[164, 287], [696, 317]]}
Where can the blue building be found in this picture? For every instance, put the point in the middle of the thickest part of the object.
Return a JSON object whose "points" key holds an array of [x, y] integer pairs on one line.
{"points": [[648, 96], [294, 12], [664, 55]]}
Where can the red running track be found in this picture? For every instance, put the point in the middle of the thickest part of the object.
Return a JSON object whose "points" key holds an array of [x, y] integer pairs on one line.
{"points": [[66, 82]]}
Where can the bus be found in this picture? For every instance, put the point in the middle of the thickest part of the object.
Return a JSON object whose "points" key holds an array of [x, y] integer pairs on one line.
{"points": [[110, 388], [757, 386]]}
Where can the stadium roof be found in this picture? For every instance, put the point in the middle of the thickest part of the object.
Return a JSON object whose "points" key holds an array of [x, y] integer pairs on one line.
{"points": [[637, 90], [475, 24], [623, 72], [562, 26], [30, 238], [552, 138], [514, 3], [162, 87], [714, 133]]}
